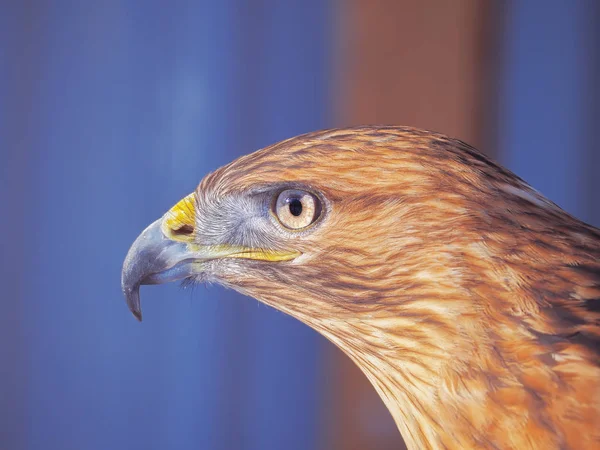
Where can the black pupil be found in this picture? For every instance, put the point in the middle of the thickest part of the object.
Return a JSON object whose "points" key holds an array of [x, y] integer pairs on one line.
{"points": [[295, 207]]}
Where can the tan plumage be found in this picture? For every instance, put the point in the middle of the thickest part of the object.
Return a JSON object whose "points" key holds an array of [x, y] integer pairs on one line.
{"points": [[470, 301]]}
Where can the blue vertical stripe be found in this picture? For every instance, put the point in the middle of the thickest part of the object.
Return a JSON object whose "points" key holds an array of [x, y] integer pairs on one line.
{"points": [[131, 103], [547, 81]]}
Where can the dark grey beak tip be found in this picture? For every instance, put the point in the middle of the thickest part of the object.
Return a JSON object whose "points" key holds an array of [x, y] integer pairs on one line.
{"points": [[137, 266], [132, 297]]}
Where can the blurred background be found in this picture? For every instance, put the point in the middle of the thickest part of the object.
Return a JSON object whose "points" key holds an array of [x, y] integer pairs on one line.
{"points": [[112, 111]]}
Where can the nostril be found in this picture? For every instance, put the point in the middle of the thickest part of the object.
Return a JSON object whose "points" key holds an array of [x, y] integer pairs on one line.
{"points": [[184, 230]]}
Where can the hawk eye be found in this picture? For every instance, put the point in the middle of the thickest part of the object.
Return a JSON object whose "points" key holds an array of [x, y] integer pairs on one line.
{"points": [[296, 209]]}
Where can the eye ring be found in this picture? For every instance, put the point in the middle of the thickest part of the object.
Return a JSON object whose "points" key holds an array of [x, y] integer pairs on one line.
{"points": [[296, 209]]}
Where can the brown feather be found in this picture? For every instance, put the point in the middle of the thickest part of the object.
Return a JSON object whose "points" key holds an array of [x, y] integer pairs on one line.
{"points": [[470, 301]]}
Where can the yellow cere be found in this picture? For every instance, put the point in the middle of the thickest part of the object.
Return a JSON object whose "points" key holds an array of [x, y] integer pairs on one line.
{"points": [[179, 222]]}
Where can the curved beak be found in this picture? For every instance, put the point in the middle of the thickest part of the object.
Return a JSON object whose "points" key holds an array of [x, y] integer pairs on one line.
{"points": [[164, 252], [154, 259]]}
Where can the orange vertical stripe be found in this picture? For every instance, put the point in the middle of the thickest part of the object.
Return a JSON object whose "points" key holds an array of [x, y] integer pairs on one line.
{"points": [[426, 64]]}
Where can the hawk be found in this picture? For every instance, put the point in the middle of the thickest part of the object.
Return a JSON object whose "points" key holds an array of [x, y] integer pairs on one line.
{"points": [[470, 301]]}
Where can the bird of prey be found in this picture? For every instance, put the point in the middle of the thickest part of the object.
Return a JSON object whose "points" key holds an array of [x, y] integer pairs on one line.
{"points": [[470, 301]]}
